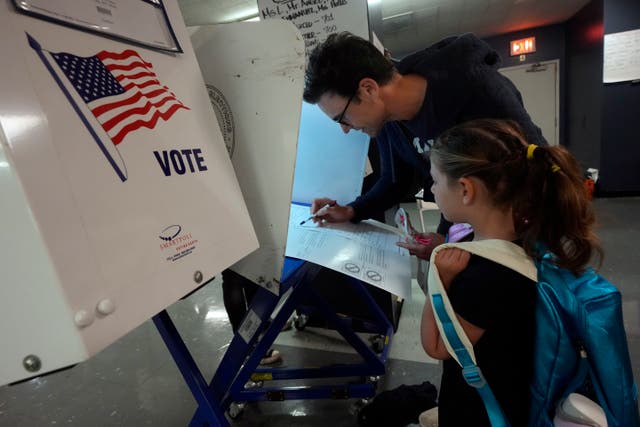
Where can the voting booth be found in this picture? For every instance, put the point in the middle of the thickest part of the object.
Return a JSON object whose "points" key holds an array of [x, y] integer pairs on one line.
{"points": [[263, 66], [118, 194], [254, 74], [330, 163]]}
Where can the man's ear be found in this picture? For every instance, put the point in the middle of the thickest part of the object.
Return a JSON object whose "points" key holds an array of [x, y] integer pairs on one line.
{"points": [[468, 190], [368, 87]]}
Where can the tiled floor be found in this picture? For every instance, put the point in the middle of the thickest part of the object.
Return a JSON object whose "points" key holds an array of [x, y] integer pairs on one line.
{"points": [[135, 382]]}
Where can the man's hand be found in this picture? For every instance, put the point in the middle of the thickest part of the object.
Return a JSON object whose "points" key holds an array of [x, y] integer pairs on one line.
{"points": [[335, 213], [422, 250], [450, 262]]}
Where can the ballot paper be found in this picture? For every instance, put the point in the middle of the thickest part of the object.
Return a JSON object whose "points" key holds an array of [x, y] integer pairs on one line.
{"points": [[366, 251]]}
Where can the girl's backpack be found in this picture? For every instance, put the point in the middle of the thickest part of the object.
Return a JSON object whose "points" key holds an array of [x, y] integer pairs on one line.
{"points": [[579, 325]]}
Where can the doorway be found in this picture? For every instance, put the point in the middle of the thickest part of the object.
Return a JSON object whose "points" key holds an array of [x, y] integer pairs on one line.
{"points": [[539, 85]]}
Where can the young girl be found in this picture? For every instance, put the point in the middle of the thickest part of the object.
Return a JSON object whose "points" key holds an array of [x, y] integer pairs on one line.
{"points": [[486, 174]]}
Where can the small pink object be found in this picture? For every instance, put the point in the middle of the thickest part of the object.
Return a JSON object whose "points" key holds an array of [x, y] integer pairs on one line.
{"points": [[422, 240]]}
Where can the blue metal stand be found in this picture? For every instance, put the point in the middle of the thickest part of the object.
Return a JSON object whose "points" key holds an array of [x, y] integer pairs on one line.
{"points": [[248, 346]]}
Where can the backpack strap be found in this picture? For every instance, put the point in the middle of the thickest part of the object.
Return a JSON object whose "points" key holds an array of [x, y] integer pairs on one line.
{"points": [[456, 341]]}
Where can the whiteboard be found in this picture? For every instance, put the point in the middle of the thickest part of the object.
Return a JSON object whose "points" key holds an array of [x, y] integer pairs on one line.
{"points": [[317, 19], [621, 56]]}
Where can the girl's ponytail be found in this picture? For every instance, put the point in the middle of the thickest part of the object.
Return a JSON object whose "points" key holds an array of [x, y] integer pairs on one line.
{"points": [[554, 209]]}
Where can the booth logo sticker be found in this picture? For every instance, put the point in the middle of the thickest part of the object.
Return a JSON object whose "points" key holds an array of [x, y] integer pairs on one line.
{"points": [[119, 89], [169, 233], [176, 244]]}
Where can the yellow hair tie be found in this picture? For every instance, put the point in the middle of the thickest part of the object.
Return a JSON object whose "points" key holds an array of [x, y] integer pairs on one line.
{"points": [[555, 168], [530, 149]]}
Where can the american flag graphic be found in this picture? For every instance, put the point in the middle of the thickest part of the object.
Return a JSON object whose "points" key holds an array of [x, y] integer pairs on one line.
{"points": [[120, 89]]}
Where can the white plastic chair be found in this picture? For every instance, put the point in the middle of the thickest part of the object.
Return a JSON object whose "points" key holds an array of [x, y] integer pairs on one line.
{"points": [[424, 206]]}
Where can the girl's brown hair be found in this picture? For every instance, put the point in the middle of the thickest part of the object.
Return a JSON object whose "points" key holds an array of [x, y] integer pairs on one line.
{"points": [[543, 186]]}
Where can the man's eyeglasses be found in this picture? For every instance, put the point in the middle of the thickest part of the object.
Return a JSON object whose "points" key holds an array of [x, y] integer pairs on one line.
{"points": [[340, 117]]}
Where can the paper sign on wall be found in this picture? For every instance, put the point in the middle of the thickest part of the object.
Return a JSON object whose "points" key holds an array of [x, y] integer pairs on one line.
{"points": [[621, 56], [317, 19]]}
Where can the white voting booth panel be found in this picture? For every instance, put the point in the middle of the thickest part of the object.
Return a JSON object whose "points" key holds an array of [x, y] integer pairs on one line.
{"points": [[330, 162], [103, 228], [254, 73]]}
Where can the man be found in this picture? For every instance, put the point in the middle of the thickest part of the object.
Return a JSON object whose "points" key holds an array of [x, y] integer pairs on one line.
{"points": [[405, 106]]}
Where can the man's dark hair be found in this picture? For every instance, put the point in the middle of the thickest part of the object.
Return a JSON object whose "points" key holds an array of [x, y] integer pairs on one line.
{"points": [[339, 63]]}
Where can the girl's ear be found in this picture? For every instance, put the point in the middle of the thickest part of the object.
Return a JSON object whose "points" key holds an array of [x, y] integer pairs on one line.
{"points": [[468, 190]]}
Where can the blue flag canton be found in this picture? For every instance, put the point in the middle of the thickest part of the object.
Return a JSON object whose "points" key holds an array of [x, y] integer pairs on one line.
{"points": [[89, 76]]}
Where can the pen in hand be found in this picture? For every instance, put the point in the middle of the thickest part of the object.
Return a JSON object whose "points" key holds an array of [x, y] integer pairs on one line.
{"points": [[328, 205]]}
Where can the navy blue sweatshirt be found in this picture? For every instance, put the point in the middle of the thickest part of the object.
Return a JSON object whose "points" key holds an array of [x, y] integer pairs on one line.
{"points": [[463, 83]]}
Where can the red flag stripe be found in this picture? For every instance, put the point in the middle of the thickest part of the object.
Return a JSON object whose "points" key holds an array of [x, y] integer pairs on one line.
{"points": [[125, 67], [97, 111], [141, 86], [114, 121], [121, 77], [105, 55], [146, 123]]}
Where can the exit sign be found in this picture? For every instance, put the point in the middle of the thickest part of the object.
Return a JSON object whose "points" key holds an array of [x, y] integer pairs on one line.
{"points": [[523, 46]]}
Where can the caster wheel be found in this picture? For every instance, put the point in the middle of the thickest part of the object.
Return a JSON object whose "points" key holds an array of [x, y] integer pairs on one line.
{"points": [[301, 322], [377, 343], [374, 381], [235, 410], [356, 407]]}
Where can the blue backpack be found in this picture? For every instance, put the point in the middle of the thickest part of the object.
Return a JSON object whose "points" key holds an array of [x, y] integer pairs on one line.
{"points": [[578, 324]]}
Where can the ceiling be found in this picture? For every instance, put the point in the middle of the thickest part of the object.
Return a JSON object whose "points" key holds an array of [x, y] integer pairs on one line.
{"points": [[407, 25]]}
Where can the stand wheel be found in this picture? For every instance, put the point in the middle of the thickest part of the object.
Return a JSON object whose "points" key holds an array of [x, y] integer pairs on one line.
{"points": [[377, 343], [356, 407], [301, 322], [374, 381], [235, 410]]}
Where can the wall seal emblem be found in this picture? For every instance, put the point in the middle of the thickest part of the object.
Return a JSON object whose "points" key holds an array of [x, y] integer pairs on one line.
{"points": [[224, 116]]}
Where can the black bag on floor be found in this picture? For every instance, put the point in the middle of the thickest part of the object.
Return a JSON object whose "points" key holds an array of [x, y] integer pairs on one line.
{"points": [[398, 407]]}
